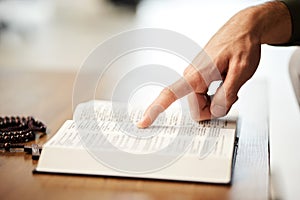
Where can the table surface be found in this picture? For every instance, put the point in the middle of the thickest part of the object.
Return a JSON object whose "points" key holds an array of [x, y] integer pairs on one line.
{"points": [[48, 97]]}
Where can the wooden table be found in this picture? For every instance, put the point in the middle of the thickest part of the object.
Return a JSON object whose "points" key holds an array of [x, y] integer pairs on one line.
{"points": [[48, 97]]}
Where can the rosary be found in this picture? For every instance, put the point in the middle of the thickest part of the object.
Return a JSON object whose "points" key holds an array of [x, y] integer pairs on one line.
{"points": [[15, 131]]}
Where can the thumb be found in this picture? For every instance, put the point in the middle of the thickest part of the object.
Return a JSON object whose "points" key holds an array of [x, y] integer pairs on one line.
{"points": [[224, 98]]}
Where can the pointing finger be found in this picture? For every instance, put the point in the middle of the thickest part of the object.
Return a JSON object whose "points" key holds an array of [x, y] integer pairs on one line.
{"points": [[168, 95]]}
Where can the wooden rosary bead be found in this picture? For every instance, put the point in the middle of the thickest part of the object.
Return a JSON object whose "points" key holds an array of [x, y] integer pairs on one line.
{"points": [[18, 130], [7, 146]]}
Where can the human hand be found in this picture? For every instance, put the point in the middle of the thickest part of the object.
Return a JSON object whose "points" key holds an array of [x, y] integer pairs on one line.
{"points": [[234, 54]]}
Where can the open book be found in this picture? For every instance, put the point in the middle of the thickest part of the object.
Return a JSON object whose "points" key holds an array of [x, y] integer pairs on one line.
{"points": [[102, 139]]}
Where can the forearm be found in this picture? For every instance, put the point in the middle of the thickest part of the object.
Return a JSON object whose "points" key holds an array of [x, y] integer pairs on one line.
{"points": [[269, 23], [276, 24]]}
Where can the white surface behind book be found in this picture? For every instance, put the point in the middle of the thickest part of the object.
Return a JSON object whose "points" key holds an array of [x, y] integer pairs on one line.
{"points": [[65, 153]]}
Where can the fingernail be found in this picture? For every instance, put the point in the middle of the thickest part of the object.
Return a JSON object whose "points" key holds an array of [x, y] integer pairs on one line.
{"points": [[218, 111], [141, 123]]}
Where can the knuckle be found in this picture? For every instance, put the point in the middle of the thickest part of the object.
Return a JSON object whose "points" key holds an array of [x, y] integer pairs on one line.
{"points": [[240, 66], [195, 79], [190, 70], [168, 93], [186, 72]]}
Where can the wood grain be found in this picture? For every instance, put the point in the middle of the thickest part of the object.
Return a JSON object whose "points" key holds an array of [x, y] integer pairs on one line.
{"points": [[48, 97]]}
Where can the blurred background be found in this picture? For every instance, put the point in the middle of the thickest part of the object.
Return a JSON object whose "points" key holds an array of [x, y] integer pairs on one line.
{"points": [[59, 34]]}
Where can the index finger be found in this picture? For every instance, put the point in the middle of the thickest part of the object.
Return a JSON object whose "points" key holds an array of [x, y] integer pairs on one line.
{"points": [[167, 96]]}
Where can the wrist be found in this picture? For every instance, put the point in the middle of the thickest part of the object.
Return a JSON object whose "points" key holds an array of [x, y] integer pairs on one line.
{"points": [[272, 23]]}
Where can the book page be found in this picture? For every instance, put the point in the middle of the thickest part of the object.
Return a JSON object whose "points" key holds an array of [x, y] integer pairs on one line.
{"points": [[119, 112], [103, 125], [202, 140]]}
